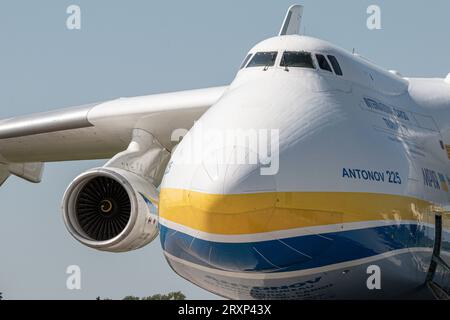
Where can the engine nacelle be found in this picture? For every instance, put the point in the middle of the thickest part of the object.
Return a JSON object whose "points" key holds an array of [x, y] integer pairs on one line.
{"points": [[111, 209]]}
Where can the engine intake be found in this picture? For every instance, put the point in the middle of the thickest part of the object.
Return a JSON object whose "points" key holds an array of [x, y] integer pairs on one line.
{"points": [[111, 209], [103, 208]]}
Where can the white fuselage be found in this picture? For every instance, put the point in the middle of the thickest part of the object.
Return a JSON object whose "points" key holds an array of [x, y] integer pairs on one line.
{"points": [[361, 163]]}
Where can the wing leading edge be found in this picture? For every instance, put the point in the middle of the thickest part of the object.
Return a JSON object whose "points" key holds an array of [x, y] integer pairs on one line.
{"points": [[99, 131]]}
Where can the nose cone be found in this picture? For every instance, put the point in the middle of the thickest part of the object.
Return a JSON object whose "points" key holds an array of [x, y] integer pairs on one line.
{"points": [[219, 189], [220, 206]]}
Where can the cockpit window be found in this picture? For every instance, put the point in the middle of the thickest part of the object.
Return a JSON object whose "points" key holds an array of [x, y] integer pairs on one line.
{"points": [[297, 59], [323, 63], [245, 61], [335, 64], [263, 59]]}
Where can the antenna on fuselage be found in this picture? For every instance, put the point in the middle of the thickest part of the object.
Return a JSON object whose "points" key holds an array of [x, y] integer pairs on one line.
{"points": [[292, 21]]}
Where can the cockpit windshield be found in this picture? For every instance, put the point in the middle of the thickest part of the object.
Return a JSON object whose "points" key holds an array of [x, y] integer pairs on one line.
{"points": [[263, 59], [297, 59]]}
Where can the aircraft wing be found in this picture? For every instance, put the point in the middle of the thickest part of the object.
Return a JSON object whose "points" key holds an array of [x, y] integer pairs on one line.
{"points": [[96, 131]]}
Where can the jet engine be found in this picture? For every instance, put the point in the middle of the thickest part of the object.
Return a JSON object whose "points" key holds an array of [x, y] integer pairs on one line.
{"points": [[111, 209]]}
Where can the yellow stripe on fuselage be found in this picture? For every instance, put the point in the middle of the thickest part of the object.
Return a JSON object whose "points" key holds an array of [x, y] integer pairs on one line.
{"points": [[239, 214]]}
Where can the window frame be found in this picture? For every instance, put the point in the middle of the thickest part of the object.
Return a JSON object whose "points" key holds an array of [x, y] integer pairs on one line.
{"points": [[313, 62], [338, 70], [264, 66], [316, 54], [246, 60]]}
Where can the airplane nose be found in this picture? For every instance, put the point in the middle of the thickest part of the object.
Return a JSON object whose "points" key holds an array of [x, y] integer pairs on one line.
{"points": [[219, 200], [218, 214]]}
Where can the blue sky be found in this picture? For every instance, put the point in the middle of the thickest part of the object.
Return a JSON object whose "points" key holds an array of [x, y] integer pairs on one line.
{"points": [[129, 48]]}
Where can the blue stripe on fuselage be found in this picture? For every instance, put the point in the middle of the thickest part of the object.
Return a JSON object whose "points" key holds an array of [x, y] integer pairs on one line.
{"points": [[296, 253]]}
